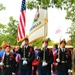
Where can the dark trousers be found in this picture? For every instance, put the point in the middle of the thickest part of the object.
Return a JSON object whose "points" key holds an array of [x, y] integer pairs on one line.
{"points": [[7, 71], [62, 73], [25, 72], [35, 69], [0, 72], [44, 72]]}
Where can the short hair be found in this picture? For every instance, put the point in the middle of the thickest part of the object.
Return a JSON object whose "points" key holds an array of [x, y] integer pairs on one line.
{"points": [[56, 46]]}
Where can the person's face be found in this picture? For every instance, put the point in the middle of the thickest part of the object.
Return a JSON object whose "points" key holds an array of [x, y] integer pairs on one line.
{"points": [[54, 47], [26, 42], [63, 45], [7, 49], [16, 48]]}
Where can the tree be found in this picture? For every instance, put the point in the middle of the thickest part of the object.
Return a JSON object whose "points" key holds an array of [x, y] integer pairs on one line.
{"points": [[71, 31], [2, 27], [51, 43], [50, 3], [2, 7], [69, 42], [39, 42], [11, 31], [8, 33]]}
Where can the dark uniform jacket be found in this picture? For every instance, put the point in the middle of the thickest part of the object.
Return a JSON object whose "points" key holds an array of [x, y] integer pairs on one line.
{"points": [[48, 59], [65, 60], [28, 53], [9, 62]]}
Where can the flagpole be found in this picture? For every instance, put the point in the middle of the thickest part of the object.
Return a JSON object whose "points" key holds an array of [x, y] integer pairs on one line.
{"points": [[45, 15], [59, 45]]}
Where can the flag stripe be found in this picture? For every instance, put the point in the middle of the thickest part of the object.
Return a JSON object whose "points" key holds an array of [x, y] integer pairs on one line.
{"points": [[22, 22], [22, 27], [23, 14]]}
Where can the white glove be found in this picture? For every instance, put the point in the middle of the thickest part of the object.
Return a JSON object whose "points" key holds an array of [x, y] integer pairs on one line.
{"points": [[44, 64], [23, 43], [44, 45], [69, 70], [1, 63], [58, 60], [13, 73], [24, 62]]}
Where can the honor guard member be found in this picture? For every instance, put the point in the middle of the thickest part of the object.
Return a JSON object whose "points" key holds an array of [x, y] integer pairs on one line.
{"points": [[46, 59], [27, 56], [64, 59], [8, 62]]}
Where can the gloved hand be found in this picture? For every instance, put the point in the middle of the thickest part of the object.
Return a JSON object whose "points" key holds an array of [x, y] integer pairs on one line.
{"points": [[13, 73], [69, 70], [24, 62], [1, 63], [44, 64], [23, 43], [58, 60], [44, 45]]}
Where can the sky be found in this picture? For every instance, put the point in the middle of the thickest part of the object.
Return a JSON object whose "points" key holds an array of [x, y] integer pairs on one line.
{"points": [[56, 18]]}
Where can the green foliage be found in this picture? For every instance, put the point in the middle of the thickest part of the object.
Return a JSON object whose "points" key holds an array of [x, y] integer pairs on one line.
{"points": [[51, 43], [12, 31], [71, 31], [2, 7], [38, 3], [9, 32], [39, 42], [45, 4], [2, 27]]}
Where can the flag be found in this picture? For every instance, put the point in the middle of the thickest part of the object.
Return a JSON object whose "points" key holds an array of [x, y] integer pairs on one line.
{"points": [[39, 25], [57, 31], [59, 35], [22, 22]]}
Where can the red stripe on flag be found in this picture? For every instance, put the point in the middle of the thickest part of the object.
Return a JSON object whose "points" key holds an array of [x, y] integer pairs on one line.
{"points": [[23, 14]]}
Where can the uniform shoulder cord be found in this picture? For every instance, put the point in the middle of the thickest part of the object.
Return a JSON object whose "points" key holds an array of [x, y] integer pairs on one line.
{"points": [[59, 52], [3, 57]]}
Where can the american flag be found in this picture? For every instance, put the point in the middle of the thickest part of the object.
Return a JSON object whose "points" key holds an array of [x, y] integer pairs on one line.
{"points": [[22, 22], [57, 31]]}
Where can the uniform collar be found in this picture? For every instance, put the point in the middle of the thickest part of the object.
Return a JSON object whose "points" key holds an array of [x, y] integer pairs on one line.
{"points": [[26, 47], [63, 49], [7, 53]]}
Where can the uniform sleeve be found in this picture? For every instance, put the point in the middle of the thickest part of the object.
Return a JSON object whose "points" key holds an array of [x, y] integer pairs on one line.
{"points": [[69, 60], [19, 50], [13, 62], [51, 59], [32, 56], [40, 53]]}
